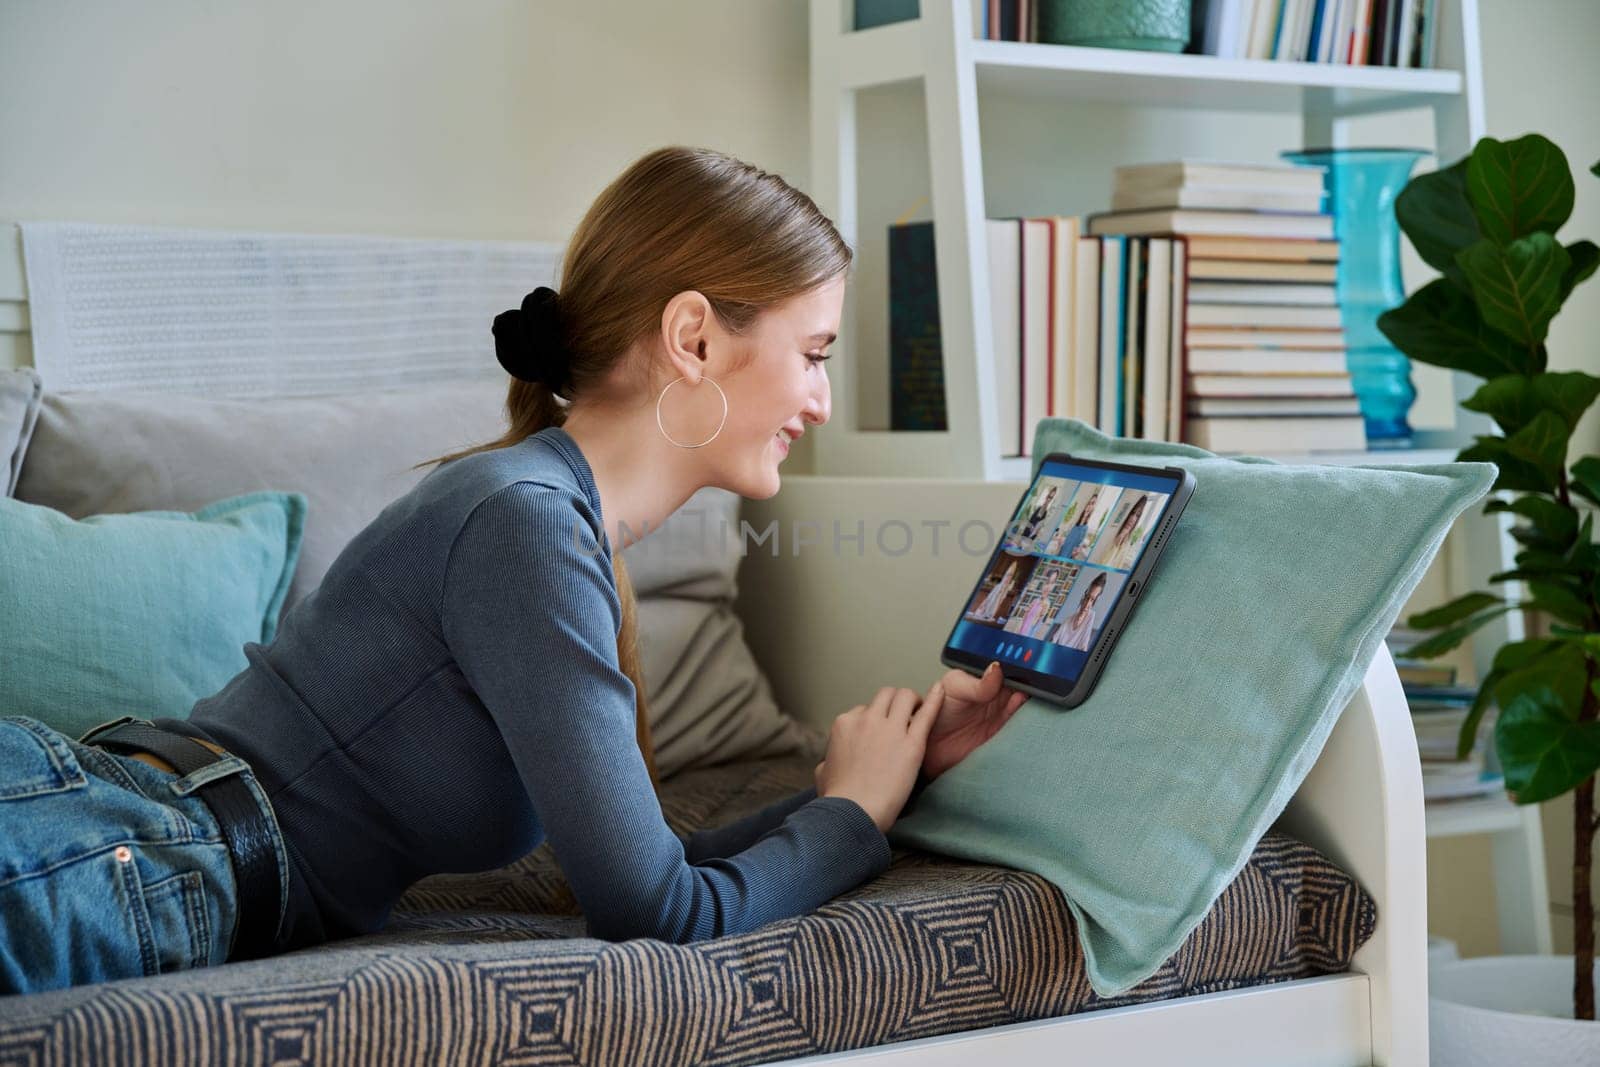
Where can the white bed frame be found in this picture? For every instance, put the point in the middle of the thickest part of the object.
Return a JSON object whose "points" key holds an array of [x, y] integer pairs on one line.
{"points": [[832, 622]]}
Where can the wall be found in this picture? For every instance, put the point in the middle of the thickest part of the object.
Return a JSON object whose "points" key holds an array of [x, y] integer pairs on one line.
{"points": [[503, 119]]}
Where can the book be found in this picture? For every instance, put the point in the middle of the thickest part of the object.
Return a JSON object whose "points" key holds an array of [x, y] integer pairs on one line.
{"points": [[1177, 350], [1086, 329], [916, 356], [1132, 337], [1294, 406], [1262, 271], [1255, 435], [1218, 337], [1320, 385], [1220, 198], [1155, 364], [1113, 308], [1267, 361], [1290, 177], [1295, 317], [1005, 297], [1232, 292], [1063, 318], [1203, 246], [1194, 222], [1035, 313]]}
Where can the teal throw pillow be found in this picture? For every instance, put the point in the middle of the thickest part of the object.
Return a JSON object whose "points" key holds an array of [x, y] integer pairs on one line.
{"points": [[1258, 626], [137, 614]]}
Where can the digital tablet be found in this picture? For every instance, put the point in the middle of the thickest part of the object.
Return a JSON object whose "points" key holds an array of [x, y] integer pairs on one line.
{"points": [[1067, 571]]}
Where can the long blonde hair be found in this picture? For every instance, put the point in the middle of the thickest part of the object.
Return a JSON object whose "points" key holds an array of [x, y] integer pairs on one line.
{"points": [[677, 219]]}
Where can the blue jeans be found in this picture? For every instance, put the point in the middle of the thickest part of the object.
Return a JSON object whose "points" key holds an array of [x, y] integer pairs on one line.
{"points": [[109, 867]]}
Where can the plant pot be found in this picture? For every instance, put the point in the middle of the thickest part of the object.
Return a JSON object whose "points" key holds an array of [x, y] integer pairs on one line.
{"points": [[1148, 25], [1497, 1010]]}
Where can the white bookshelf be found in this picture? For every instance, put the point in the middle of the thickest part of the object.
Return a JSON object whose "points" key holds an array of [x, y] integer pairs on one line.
{"points": [[943, 50]]}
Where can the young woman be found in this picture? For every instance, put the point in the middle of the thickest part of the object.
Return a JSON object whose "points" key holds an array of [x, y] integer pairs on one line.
{"points": [[1079, 529], [463, 683], [1123, 547], [1030, 529], [1077, 629]]}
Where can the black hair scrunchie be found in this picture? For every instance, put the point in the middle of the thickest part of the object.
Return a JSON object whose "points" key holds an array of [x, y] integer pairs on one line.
{"points": [[528, 341]]}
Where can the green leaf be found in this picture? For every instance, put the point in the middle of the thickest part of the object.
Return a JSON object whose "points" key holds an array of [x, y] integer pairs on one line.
{"points": [[1454, 611], [1436, 215], [1586, 477], [1585, 256], [1509, 657], [1543, 443], [1513, 400], [1544, 752], [1445, 640], [1559, 601], [1517, 286], [1439, 324], [1519, 187], [1556, 522], [1480, 703], [1515, 473], [1538, 737], [1595, 170]]}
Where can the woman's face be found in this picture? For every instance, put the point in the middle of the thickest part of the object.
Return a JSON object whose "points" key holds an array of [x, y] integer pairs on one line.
{"points": [[781, 387]]}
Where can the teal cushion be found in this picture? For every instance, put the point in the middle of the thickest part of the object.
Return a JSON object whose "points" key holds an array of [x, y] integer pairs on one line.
{"points": [[1275, 591], [137, 614]]}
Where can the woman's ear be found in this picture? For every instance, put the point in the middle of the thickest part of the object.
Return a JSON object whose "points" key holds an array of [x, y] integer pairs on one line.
{"points": [[685, 324]]}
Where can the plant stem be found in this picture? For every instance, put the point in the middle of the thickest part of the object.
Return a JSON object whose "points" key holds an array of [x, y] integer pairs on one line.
{"points": [[1582, 866]]}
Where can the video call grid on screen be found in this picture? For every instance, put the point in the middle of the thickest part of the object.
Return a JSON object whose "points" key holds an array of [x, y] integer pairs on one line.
{"points": [[1060, 567]]}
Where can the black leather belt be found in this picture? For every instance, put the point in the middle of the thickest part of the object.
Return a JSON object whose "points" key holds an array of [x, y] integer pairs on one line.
{"points": [[245, 826]]}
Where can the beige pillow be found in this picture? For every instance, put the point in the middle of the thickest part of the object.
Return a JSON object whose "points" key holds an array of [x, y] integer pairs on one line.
{"points": [[350, 454], [19, 409]]}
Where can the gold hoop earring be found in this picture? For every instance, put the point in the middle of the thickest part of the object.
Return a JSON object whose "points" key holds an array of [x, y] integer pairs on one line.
{"points": [[713, 437]]}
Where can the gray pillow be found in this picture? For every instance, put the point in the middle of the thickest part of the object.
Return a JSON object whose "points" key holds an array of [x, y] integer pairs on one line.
{"points": [[19, 410], [692, 647], [350, 454]]}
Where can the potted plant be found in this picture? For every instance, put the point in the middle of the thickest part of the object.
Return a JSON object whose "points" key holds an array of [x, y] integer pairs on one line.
{"points": [[1488, 223]]}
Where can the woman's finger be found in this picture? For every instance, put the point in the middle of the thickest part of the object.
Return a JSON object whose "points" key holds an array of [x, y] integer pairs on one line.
{"points": [[905, 702], [959, 685], [928, 713]]}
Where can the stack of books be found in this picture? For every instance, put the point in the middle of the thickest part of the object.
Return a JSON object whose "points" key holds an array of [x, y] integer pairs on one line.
{"points": [[1265, 361], [1083, 327], [1438, 708], [1437, 713], [1379, 33]]}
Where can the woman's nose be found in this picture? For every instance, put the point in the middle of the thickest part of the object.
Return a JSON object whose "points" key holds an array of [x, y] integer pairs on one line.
{"points": [[820, 405]]}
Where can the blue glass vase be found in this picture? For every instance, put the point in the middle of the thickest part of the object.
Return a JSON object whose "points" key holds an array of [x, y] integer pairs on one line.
{"points": [[1362, 184]]}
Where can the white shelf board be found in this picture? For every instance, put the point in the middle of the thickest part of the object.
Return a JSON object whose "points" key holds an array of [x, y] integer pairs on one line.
{"points": [[885, 55], [1481, 815], [1160, 79]]}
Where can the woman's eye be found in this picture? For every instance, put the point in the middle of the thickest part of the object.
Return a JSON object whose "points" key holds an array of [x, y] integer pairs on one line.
{"points": [[817, 357]]}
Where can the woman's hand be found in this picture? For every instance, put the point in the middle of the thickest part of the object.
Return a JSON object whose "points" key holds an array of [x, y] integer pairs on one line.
{"points": [[874, 751], [972, 711]]}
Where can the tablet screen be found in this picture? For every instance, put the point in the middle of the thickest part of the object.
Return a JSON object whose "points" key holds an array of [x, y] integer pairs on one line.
{"points": [[1061, 566]]}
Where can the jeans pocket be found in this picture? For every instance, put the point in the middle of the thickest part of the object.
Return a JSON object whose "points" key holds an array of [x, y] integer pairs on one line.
{"points": [[38, 761], [175, 914]]}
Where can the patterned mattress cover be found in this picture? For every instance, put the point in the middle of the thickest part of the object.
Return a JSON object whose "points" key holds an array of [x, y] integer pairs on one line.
{"points": [[494, 967]]}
